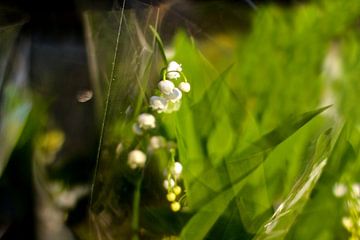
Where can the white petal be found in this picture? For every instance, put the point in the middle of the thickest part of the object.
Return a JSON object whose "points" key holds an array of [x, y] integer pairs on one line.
{"points": [[339, 190], [167, 183], [356, 189], [157, 142], [184, 86], [166, 86], [158, 103], [173, 107], [174, 66], [172, 75], [177, 169], [146, 121], [136, 158], [175, 95]]}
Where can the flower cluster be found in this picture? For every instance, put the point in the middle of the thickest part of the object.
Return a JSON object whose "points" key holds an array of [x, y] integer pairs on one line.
{"points": [[172, 186], [169, 100], [351, 194], [170, 95]]}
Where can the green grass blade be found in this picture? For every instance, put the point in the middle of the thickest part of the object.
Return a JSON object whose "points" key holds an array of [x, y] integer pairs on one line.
{"points": [[160, 44]]}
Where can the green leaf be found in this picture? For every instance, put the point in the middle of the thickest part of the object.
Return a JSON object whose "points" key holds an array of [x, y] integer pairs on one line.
{"points": [[287, 212], [14, 114], [214, 189], [160, 44], [239, 166], [316, 217]]}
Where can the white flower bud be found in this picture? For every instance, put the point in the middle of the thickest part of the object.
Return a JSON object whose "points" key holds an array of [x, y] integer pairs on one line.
{"points": [[146, 121], [184, 86], [347, 223], [168, 184], [158, 104], [136, 159], [166, 86], [173, 70], [173, 75], [339, 190], [157, 142], [356, 189], [177, 169], [174, 96], [174, 66]]}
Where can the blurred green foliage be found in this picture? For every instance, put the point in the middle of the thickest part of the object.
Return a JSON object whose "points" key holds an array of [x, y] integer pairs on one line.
{"points": [[258, 160]]}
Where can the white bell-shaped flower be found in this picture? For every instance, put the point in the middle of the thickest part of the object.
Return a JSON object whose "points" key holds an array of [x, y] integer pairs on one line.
{"points": [[184, 86], [174, 96], [173, 75], [173, 70], [339, 190], [177, 169], [166, 86], [173, 107], [168, 183], [174, 66], [136, 159], [356, 189], [146, 121], [158, 104], [157, 142]]}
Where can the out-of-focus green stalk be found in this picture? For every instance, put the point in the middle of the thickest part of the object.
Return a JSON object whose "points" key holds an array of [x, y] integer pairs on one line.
{"points": [[136, 210]]}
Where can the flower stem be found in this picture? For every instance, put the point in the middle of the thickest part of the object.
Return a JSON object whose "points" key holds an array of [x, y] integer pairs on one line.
{"points": [[183, 75], [136, 209]]}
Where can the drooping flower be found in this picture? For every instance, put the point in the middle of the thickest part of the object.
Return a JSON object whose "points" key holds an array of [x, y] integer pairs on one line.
{"points": [[356, 189], [166, 86], [169, 184], [158, 104], [184, 86], [347, 223], [174, 96], [173, 70], [339, 190], [146, 121], [173, 107], [157, 142], [136, 159], [177, 169]]}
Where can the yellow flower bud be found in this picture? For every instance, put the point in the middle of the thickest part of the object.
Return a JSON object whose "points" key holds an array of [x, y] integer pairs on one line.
{"points": [[171, 196], [175, 206], [177, 190]]}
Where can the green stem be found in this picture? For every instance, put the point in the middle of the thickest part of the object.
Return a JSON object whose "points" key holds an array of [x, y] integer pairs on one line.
{"points": [[183, 75], [163, 71], [160, 44], [136, 210]]}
